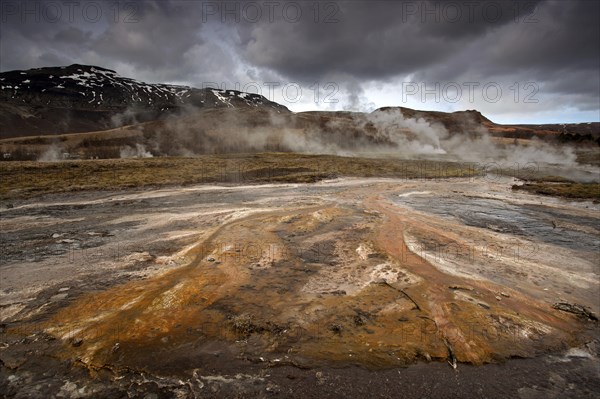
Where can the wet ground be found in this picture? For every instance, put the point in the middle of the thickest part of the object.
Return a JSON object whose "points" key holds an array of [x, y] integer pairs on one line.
{"points": [[342, 288]]}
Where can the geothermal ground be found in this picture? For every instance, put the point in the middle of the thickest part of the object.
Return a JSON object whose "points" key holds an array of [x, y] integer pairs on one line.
{"points": [[347, 287]]}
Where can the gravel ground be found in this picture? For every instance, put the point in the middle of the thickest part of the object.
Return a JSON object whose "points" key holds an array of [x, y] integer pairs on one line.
{"points": [[344, 261]]}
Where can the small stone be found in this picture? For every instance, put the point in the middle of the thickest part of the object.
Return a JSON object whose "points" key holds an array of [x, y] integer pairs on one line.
{"points": [[320, 378], [336, 328], [498, 298], [77, 342], [58, 297], [63, 289], [504, 294], [594, 347], [210, 259]]}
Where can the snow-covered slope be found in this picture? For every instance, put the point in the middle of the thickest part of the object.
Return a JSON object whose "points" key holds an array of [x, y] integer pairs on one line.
{"points": [[80, 98]]}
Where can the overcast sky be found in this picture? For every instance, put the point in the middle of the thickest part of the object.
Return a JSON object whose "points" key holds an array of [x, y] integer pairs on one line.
{"points": [[516, 62]]}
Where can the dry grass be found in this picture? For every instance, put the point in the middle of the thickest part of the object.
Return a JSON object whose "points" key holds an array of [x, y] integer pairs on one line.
{"points": [[566, 190], [28, 179]]}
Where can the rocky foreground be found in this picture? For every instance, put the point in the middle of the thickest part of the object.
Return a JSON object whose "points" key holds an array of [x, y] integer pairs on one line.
{"points": [[347, 287]]}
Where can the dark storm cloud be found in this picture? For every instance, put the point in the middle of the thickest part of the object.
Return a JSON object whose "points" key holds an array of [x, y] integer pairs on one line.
{"points": [[159, 38], [149, 35], [553, 43], [376, 39]]}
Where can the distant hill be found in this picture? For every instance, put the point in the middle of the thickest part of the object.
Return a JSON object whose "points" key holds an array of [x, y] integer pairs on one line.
{"points": [[472, 120], [83, 98], [82, 111]]}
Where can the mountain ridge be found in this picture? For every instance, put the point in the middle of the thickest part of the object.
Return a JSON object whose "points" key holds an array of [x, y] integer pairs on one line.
{"points": [[79, 98], [86, 111]]}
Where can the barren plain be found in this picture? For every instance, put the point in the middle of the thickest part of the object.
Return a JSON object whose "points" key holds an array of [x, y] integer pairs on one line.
{"points": [[410, 285]]}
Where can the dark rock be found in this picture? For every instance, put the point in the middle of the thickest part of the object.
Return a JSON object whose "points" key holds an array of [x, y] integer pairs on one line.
{"points": [[336, 329], [578, 310]]}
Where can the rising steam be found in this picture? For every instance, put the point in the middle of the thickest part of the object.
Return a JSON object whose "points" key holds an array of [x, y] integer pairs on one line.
{"points": [[387, 133], [139, 151], [52, 154]]}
